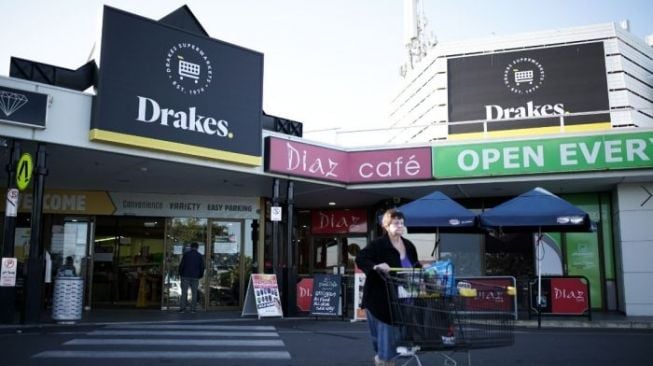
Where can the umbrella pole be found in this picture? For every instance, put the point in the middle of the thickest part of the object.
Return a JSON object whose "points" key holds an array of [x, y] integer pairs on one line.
{"points": [[437, 241], [539, 279]]}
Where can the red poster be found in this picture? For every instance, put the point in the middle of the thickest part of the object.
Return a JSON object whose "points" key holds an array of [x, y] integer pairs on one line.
{"points": [[491, 295], [338, 221], [305, 294], [569, 296]]}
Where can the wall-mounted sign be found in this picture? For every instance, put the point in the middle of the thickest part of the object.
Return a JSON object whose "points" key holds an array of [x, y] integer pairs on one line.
{"points": [[541, 156], [305, 160], [11, 203], [70, 202], [142, 204], [513, 90], [275, 213], [8, 272], [23, 108], [322, 163], [338, 221], [164, 88]]}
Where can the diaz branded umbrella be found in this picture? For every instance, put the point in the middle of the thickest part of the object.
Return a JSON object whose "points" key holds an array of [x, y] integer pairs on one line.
{"points": [[537, 210], [435, 213]]}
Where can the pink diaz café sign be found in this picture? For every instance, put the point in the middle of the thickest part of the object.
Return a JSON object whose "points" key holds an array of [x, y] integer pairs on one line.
{"points": [[323, 163]]}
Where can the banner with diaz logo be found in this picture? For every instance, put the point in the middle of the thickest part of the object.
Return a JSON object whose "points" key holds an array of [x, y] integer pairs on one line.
{"points": [[529, 89], [164, 88]]}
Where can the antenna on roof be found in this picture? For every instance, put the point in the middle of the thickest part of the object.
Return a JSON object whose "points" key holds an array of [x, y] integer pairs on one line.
{"points": [[416, 39]]}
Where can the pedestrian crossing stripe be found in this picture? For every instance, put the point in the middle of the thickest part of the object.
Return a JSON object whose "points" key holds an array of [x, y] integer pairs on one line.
{"points": [[186, 355], [175, 342], [196, 327], [127, 336], [182, 333]]}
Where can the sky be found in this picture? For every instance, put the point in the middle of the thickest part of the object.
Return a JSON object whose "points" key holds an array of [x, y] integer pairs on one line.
{"points": [[330, 64]]}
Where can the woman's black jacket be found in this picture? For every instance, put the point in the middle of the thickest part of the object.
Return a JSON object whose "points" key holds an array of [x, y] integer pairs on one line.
{"points": [[375, 296]]}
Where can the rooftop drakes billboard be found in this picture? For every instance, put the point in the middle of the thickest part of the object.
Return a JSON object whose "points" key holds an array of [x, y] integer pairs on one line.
{"points": [[164, 88], [512, 90]]}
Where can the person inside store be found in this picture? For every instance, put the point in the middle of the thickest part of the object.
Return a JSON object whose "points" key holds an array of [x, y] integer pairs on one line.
{"points": [[389, 251], [67, 269], [191, 269]]}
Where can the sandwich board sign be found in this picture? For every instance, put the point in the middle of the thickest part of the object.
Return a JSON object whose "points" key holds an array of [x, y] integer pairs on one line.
{"points": [[262, 297]]}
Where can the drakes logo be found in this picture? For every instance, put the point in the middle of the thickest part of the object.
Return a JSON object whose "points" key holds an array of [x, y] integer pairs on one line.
{"points": [[523, 75], [11, 102], [149, 111], [189, 69]]}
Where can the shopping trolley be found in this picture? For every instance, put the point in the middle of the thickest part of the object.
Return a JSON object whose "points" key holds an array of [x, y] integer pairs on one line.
{"points": [[431, 316]]}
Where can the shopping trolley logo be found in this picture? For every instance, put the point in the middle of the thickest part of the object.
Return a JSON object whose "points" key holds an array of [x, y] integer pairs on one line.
{"points": [[188, 68], [11, 102], [523, 75]]}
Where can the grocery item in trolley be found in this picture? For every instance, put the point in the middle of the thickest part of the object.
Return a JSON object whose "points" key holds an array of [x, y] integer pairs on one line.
{"points": [[440, 275]]}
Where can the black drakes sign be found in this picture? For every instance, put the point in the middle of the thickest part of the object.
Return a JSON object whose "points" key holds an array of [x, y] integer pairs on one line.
{"points": [[23, 108], [164, 88], [546, 82]]}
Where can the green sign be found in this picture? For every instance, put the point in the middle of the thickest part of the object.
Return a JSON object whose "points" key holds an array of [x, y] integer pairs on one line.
{"points": [[24, 171], [539, 156], [582, 249]]}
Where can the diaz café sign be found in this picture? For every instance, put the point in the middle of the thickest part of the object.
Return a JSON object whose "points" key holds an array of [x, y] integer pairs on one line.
{"points": [[304, 160]]}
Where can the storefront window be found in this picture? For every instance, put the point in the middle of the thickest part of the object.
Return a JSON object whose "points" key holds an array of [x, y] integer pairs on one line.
{"points": [[127, 261], [326, 253], [224, 269], [465, 251]]}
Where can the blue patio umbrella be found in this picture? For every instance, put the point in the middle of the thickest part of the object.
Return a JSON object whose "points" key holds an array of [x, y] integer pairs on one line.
{"points": [[537, 210], [436, 213]]}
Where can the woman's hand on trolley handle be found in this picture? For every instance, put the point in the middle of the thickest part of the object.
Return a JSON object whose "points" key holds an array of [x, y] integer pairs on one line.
{"points": [[382, 267]]}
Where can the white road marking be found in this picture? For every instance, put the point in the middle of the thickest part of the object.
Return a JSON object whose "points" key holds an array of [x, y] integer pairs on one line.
{"points": [[174, 342], [181, 333], [265, 355], [194, 327]]}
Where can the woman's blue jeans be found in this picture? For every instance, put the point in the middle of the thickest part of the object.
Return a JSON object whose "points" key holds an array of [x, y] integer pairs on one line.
{"points": [[384, 337]]}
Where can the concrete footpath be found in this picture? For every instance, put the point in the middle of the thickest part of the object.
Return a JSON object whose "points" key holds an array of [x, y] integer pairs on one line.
{"points": [[133, 316]]}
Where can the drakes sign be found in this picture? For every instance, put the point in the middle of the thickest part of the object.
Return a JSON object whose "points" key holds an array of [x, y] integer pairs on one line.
{"points": [[535, 87], [310, 161], [163, 88], [23, 108]]}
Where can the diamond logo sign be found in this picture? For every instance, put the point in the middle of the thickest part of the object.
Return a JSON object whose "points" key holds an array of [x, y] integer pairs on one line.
{"points": [[11, 102], [22, 107]]}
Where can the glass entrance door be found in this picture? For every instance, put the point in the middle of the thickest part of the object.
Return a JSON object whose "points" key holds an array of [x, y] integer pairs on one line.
{"points": [[180, 233], [224, 269], [221, 244]]}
